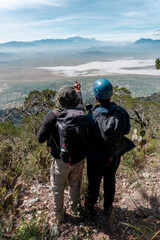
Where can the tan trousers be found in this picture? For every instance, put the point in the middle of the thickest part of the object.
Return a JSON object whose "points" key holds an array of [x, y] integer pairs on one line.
{"points": [[60, 175]]}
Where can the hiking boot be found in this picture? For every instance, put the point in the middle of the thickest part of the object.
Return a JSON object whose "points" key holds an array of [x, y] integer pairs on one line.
{"points": [[60, 218], [55, 228], [109, 217], [108, 212], [90, 211]]}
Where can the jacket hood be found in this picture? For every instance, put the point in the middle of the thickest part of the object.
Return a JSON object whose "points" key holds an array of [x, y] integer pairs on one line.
{"points": [[106, 109]]}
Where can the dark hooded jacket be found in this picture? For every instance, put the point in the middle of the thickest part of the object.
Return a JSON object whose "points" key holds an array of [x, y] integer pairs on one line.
{"points": [[94, 137], [49, 131]]}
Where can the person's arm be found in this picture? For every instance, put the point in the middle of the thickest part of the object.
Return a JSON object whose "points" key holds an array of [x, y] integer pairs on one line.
{"points": [[77, 87], [126, 121], [46, 127]]}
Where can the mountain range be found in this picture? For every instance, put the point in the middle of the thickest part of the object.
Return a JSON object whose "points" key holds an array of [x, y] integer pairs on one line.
{"points": [[71, 41], [48, 42]]}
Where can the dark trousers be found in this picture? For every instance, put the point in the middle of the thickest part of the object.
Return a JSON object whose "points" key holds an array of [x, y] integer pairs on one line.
{"points": [[96, 169]]}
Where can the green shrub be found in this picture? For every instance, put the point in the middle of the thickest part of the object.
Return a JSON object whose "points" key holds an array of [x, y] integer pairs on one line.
{"points": [[152, 146], [31, 229]]}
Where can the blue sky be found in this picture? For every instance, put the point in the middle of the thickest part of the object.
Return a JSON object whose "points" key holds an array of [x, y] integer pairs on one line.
{"points": [[121, 20]]}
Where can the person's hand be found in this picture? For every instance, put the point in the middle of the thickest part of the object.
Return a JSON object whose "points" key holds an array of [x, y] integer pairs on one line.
{"points": [[77, 86]]}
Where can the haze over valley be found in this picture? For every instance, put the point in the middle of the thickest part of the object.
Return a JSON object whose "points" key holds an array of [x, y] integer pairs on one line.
{"points": [[25, 66]]}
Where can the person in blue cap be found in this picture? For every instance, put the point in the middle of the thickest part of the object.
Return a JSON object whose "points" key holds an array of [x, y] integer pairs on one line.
{"points": [[108, 123]]}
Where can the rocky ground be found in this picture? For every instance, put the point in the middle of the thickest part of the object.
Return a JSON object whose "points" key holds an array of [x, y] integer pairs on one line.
{"points": [[137, 203]]}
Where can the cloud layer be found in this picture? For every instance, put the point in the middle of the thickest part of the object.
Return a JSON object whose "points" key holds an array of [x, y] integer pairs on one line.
{"points": [[16, 4], [117, 67]]}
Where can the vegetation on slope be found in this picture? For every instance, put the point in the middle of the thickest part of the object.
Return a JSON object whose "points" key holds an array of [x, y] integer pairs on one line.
{"points": [[24, 163]]}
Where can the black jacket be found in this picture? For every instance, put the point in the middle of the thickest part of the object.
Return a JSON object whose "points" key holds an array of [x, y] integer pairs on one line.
{"points": [[94, 137], [49, 131]]}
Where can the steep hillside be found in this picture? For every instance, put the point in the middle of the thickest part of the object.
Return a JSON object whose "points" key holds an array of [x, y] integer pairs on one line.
{"points": [[26, 210]]}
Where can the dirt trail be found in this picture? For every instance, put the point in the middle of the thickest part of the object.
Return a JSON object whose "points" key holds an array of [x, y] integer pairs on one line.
{"points": [[133, 203]]}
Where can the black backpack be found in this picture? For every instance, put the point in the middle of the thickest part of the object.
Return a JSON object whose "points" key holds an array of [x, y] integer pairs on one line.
{"points": [[72, 127], [110, 131]]}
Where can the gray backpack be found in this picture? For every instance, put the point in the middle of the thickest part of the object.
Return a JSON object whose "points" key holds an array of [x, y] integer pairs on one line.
{"points": [[72, 127], [110, 128]]}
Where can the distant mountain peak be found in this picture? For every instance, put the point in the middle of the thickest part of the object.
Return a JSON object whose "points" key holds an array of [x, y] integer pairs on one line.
{"points": [[146, 40], [80, 38]]}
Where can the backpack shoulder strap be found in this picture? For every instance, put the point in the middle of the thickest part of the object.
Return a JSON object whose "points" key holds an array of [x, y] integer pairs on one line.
{"points": [[118, 108], [57, 111], [93, 110]]}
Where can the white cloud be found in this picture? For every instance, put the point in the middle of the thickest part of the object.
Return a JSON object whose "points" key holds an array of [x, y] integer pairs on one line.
{"points": [[133, 14], [50, 21], [46, 23], [142, 26], [156, 32], [14, 4]]}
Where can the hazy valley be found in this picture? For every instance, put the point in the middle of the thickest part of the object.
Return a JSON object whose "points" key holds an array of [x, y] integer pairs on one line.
{"points": [[53, 63]]}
